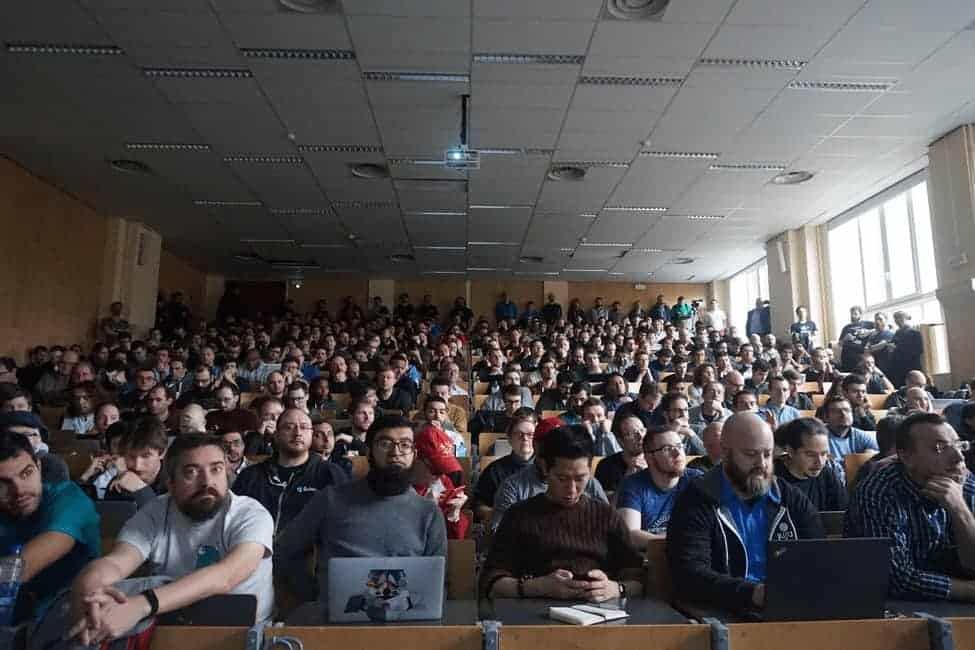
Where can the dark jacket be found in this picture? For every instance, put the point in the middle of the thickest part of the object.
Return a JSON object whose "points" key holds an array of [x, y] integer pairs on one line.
{"points": [[284, 500], [707, 557]]}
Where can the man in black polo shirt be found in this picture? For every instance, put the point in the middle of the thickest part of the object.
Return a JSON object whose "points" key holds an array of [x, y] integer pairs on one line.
{"points": [[289, 479], [852, 337], [807, 465], [629, 431], [391, 397]]}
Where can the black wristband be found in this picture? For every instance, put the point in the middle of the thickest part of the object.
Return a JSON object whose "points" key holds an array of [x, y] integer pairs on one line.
{"points": [[150, 596]]}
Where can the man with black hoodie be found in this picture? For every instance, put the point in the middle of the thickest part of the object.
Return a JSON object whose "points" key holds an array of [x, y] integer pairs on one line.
{"points": [[288, 480], [722, 522]]}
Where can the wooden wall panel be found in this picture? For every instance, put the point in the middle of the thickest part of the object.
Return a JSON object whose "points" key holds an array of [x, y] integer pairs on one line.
{"points": [[176, 274], [587, 292], [51, 266], [443, 292], [333, 288], [486, 293]]}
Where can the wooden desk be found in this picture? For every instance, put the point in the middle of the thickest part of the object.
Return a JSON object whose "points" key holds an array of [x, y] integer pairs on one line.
{"points": [[606, 637], [199, 638]]}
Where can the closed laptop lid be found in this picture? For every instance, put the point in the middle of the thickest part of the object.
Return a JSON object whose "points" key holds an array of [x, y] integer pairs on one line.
{"points": [[821, 579]]}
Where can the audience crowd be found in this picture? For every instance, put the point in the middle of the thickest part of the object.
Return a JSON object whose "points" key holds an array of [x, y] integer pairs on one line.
{"points": [[565, 443]]}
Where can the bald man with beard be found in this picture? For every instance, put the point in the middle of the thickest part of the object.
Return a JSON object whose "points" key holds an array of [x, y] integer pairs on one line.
{"points": [[723, 521]]}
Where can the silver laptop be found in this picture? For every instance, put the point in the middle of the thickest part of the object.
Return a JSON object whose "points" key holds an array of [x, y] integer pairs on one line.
{"points": [[383, 589]]}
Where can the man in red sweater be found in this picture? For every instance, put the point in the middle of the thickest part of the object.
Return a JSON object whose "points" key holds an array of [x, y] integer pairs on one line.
{"points": [[438, 476]]}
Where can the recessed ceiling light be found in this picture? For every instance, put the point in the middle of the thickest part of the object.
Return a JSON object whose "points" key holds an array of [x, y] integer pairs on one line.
{"points": [[493, 243], [435, 213], [647, 250], [286, 242], [249, 258], [286, 53], [64, 48], [636, 9], [615, 273], [130, 166], [440, 248], [529, 59], [607, 80], [441, 273], [401, 257], [369, 170], [584, 270], [534, 273], [448, 77], [300, 211], [501, 207], [328, 245], [531, 259], [566, 173], [704, 217], [487, 268], [605, 244], [198, 73], [682, 260], [792, 178], [363, 204]]}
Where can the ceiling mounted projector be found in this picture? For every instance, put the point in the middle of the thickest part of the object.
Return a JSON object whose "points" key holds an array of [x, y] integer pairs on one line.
{"points": [[462, 158]]}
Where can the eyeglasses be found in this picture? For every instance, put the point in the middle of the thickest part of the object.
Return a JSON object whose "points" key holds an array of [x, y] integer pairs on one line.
{"points": [[386, 445], [633, 435], [296, 427], [960, 445], [670, 450]]}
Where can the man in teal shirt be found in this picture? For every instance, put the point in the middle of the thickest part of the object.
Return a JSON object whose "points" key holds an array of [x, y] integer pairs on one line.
{"points": [[54, 522]]}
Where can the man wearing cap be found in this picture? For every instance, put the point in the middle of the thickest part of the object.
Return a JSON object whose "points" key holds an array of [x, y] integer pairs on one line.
{"points": [[438, 476], [531, 480], [53, 468]]}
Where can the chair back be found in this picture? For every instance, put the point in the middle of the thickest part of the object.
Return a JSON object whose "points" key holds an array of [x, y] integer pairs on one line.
{"points": [[658, 570], [113, 515], [852, 463], [222, 610], [360, 466], [461, 574]]}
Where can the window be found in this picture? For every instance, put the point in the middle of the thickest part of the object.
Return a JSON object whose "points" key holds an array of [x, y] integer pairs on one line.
{"points": [[746, 287], [882, 256]]}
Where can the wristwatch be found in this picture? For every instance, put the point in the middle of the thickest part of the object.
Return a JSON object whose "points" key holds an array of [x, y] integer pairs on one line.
{"points": [[622, 586]]}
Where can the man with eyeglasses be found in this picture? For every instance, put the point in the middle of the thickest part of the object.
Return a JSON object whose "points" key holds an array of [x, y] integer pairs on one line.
{"points": [[646, 499], [676, 410], [379, 515], [923, 502], [233, 443], [721, 524], [629, 431], [288, 480]]}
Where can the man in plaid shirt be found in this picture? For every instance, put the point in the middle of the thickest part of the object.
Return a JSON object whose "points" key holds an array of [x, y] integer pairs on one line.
{"points": [[923, 502]]}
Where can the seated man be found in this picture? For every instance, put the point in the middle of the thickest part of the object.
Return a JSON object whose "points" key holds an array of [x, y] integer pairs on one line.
{"points": [[55, 522], [924, 502], [611, 470], [53, 468], [533, 479], [646, 499], [456, 415], [511, 377], [355, 519], [887, 441], [287, 481], [675, 408], [498, 420], [797, 399], [261, 442], [645, 406], [711, 409], [719, 560], [233, 444], [521, 436], [807, 466], [208, 539], [777, 406], [917, 400], [352, 440], [599, 427], [562, 543], [844, 438], [711, 437], [435, 414], [142, 449], [229, 415], [323, 444], [438, 476]]}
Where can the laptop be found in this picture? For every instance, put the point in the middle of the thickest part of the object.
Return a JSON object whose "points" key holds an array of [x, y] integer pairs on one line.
{"points": [[385, 589], [821, 579]]}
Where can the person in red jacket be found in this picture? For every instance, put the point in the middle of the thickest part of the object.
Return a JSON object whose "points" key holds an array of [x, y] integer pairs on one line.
{"points": [[438, 476]]}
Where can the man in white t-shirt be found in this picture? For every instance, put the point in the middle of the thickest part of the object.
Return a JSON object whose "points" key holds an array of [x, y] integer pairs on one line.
{"points": [[203, 536], [715, 317]]}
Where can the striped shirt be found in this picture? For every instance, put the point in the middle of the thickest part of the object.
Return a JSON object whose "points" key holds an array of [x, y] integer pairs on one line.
{"points": [[924, 554]]}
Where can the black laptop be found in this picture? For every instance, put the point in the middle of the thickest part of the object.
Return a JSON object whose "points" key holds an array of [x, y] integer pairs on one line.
{"points": [[821, 579]]}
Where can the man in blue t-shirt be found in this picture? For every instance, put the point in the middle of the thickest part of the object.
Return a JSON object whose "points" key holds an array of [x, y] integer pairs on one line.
{"points": [[646, 499], [54, 522]]}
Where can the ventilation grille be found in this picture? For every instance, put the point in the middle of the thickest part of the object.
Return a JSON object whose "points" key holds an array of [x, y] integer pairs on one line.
{"points": [[64, 48], [265, 159], [371, 205], [197, 73], [634, 208], [417, 76], [778, 64], [285, 53], [616, 164], [630, 81], [746, 167], [844, 86], [530, 59], [206, 203], [301, 211], [688, 155], [166, 146], [339, 148]]}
